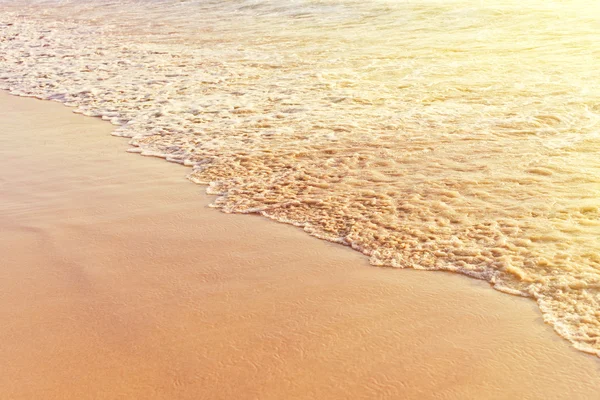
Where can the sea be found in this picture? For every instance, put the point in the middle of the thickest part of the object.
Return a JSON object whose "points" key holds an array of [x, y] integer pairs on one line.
{"points": [[454, 135]]}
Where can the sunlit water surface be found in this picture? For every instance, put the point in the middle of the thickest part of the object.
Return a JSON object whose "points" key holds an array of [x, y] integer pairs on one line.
{"points": [[455, 135]]}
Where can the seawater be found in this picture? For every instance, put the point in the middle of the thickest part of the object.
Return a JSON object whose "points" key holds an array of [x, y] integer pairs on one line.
{"points": [[456, 135]]}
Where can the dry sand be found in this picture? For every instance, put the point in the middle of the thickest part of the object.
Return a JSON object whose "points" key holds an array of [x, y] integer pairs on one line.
{"points": [[118, 282]]}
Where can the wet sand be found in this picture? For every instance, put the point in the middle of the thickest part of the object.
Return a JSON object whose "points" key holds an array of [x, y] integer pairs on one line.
{"points": [[117, 281]]}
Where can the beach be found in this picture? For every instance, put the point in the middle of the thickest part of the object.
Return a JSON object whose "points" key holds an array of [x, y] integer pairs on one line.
{"points": [[453, 136], [118, 281]]}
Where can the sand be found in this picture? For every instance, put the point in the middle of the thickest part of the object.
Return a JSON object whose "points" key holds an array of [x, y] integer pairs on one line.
{"points": [[117, 281]]}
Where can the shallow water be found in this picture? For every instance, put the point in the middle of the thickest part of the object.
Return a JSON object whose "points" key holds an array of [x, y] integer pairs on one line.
{"points": [[449, 135]]}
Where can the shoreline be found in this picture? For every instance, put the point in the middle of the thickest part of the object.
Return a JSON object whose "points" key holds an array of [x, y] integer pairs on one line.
{"points": [[120, 281]]}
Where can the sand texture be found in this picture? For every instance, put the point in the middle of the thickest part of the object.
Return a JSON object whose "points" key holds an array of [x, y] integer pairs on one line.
{"points": [[117, 281]]}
